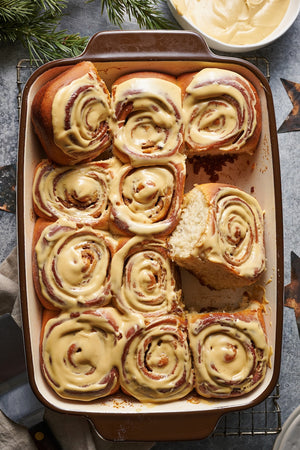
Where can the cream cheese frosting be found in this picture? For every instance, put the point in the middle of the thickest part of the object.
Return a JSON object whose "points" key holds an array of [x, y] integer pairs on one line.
{"points": [[237, 22], [152, 127], [230, 354], [81, 115]]}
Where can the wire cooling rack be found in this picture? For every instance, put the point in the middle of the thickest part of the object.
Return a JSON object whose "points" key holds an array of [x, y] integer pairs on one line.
{"points": [[263, 419]]}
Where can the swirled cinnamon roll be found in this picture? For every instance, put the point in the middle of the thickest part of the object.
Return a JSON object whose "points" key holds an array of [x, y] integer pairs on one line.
{"points": [[220, 236], [222, 112], [79, 193], [71, 115], [71, 265], [156, 363], [144, 280], [146, 200], [80, 353], [147, 110], [230, 351]]}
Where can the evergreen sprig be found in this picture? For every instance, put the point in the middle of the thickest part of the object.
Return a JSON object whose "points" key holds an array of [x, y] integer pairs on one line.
{"points": [[34, 23], [146, 13]]}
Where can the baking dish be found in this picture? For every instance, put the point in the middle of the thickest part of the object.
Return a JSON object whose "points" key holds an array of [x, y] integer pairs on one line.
{"points": [[120, 418]]}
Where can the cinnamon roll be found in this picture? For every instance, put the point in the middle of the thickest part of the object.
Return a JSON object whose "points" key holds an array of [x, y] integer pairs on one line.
{"points": [[148, 123], [156, 363], [230, 351], [220, 236], [144, 280], [79, 193], [80, 353], [222, 112], [71, 115], [147, 200], [71, 265]]}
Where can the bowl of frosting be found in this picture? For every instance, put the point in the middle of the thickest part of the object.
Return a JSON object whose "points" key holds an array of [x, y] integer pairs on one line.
{"points": [[236, 26]]}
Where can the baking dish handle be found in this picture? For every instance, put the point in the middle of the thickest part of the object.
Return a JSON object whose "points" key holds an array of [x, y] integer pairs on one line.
{"points": [[151, 44], [155, 427]]}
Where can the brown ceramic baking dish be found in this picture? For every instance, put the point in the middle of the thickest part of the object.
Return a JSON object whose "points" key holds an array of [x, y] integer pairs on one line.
{"points": [[115, 53]]}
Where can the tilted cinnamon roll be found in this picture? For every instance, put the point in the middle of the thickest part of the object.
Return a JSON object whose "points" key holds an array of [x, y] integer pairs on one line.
{"points": [[146, 200], [71, 265], [222, 112], [144, 280], [220, 236], [147, 110], [80, 353], [79, 193], [156, 363], [71, 115], [230, 351]]}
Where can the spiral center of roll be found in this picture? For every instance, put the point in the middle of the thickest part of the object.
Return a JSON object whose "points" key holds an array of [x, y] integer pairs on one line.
{"points": [[148, 191], [78, 111], [146, 276], [77, 189], [226, 358]]}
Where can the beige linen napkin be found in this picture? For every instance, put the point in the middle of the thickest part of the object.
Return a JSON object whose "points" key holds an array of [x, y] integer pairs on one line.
{"points": [[72, 432]]}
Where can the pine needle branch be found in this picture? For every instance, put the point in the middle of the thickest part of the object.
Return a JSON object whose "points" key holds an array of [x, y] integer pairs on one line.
{"points": [[146, 13], [34, 23]]}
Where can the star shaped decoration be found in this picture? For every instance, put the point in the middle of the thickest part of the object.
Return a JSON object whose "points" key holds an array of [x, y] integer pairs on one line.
{"points": [[292, 122], [292, 290]]}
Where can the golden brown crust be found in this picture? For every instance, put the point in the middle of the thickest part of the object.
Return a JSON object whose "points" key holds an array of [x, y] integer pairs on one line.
{"points": [[42, 113]]}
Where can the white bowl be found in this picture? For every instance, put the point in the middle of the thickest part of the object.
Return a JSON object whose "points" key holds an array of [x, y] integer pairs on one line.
{"points": [[287, 21]]}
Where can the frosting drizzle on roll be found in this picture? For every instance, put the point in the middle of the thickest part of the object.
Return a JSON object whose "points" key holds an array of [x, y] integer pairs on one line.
{"points": [[147, 200], [144, 279], [80, 353], [148, 123], [221, 111], [81, 116], [73, 265], [230, 352], [156, 363], [79, 193]]}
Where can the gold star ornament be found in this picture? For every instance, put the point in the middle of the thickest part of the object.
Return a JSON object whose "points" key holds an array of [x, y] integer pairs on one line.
{"points": [[292, 122]]}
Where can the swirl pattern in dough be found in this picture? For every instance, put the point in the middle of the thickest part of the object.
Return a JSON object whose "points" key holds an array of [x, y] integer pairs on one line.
{"points": [[80, 353], [79, 193], [220, 236], [147, 200], [144, 280], [222, 112], [230, 352], [156, 363], [71, 264], [72, 115], [147, 109]]}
